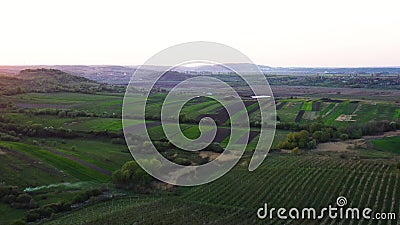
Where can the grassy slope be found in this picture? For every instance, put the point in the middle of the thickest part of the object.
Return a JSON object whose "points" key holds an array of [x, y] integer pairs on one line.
{"points": [[78, 123], [99, 152], [289, 112], [9, 214], [72, 168], [109, 103], [389, 144], [19, 168]]}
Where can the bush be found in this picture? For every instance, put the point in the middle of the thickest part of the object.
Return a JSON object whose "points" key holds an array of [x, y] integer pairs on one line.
{"points": [[183, 162], [215, 147], [32, 216], [7, 137], [45, 212], [9, 198], [298, 139], [312, 144], [344, 137], [132, 176], [23, 198], [86, 195], [120, 141], [4, 190], [59, 207], [19, 222]]}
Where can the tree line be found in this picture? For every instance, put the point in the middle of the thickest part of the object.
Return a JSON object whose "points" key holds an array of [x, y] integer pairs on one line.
{"points": [[307, 136]]}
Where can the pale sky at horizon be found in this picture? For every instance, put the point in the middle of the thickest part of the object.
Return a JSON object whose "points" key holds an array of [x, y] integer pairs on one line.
{"points": [[287, 33]]}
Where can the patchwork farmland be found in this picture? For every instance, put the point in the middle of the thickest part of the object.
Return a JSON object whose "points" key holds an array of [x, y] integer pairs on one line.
{"points": [[63, 151]]}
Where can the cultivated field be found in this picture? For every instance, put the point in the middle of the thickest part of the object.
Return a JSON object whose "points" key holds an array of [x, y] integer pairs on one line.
{"points": [[59, 151], [287, 181]]}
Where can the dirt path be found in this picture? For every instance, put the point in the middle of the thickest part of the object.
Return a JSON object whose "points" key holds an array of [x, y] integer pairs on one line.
{"points": [[334, 147], [43, 106], [346, 146], [82, 162], [386, 134]]}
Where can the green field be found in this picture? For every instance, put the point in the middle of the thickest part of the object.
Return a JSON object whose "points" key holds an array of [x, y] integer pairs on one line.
{"points": [[376, 111], [367, 176], [289, 112], [68, 166], [307, 106], [388, 144], [327, 109], [345, 108], [77, 123], [362, 112], [23, 169], [99, 152], [397, 114], [104, 103]]}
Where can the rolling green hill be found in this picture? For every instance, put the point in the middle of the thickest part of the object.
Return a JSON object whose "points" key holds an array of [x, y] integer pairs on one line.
{"points": [[49, 80]]}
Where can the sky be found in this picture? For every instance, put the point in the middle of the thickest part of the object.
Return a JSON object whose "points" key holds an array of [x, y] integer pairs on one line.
{"points": [[287, 33]]}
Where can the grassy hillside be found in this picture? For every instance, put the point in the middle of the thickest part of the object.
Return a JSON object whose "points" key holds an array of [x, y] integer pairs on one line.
{"points": [[388, 144], [49, 80]]}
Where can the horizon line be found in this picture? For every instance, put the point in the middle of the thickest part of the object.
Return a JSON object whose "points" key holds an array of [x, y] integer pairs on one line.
{"points": [[125, 65]]}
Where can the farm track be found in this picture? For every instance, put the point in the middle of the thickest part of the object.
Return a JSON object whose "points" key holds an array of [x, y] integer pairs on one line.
{"points": [[316, 106], [222, 134], [299, 116], [139, 127], [252, 135], [44, 106], [280, 105], [255, 109], [222, 114]]}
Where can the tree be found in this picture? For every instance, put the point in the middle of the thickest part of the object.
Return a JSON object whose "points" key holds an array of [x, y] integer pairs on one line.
{"points": [[344, 137], [317, 136], [215, 147], [183, 118], [62, 114], [296, 151], [303, 138], [316, 127], [312, 144], [132, 176], [295, 139], [147, 145]]}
